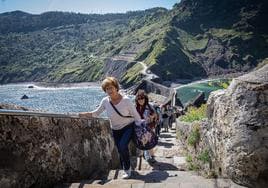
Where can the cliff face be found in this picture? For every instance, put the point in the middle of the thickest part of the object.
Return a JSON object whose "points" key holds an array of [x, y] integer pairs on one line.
{"points": [[237, 132], [41, 150]]}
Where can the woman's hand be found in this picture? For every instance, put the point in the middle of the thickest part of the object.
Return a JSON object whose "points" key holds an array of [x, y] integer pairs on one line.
{"points": [[151, 118], [85, 114]]}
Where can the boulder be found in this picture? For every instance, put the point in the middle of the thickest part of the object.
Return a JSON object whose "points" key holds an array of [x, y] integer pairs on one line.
{"points": [[24, 97], [238, 129]]}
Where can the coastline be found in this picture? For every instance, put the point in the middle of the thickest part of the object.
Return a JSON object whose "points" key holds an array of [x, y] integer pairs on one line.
{"points": [[58, 85], [176, 85], [69, 85]]}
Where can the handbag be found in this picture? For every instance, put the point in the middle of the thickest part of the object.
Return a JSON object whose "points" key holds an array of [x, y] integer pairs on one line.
{"points": [[143, 136]]}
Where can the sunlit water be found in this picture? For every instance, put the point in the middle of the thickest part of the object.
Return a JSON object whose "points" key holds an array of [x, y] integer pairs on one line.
{"points": [[77, 99], [189, 91], [54, 100]]}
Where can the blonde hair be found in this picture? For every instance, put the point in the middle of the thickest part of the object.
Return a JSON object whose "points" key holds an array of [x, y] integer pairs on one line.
{"points": [[108, 82]]}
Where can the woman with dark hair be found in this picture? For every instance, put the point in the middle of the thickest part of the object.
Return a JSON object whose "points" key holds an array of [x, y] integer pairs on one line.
{"points": [[147, 113]]}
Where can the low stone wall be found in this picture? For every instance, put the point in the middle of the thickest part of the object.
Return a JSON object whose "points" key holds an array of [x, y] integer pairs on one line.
{"points": [[157, 88], [196, 148], [40, 150]]}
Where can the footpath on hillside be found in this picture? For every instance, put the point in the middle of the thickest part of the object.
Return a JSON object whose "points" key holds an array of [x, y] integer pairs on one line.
{"points": [[169, 171]]}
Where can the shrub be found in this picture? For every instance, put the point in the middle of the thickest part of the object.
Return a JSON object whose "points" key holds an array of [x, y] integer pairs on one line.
{"points": [[194, 136], [191, 164], [204, 156], [189, 158], [195, 114]]}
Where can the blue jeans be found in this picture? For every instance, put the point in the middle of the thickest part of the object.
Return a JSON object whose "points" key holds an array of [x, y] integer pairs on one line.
{"points": [[122, 138]]}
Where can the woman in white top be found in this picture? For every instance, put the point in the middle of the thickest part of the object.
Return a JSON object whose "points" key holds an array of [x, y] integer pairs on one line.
{"points": [[122, 127]]}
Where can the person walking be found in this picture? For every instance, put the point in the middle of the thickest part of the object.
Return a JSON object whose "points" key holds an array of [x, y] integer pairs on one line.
{"points": [[122, 115], [147, 113], [159, 120], [165, 118]]}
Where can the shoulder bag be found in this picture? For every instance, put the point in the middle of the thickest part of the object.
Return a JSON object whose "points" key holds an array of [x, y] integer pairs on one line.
{"points": [[144, 138]]}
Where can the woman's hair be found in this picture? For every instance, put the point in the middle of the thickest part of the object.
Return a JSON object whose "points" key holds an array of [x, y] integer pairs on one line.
{"points": [[108, 81], [141, 108], [142, 94]]}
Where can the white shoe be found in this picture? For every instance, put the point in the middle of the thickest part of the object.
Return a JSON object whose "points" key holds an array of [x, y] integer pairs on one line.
{"points": [[126, 174], [147, 155]]}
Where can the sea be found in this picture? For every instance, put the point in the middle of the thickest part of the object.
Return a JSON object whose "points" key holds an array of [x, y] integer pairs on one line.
{"points": [[52, 99], [188, 92], [80, 98]]}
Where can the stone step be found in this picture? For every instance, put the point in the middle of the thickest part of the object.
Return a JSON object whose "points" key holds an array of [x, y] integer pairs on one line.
{"points": [[162, 163], [155, 179], [159, 185], [190, 178]]}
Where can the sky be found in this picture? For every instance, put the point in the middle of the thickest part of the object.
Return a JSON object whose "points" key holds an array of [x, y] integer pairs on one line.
{"points": [[83, 6]]}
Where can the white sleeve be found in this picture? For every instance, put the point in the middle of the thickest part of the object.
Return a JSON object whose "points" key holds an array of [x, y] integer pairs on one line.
{"points": [[134, 112], [99, 110]]}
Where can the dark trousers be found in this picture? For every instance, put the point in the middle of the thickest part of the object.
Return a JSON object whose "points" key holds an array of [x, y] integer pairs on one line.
{"points": [[122, 138], [158, 128]]}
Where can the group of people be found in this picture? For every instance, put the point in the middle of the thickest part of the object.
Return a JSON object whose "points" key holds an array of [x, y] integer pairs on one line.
{"points": [[168, 115], [124, 115]]}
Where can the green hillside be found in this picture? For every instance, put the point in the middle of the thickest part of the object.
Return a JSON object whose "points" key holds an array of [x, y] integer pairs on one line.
{"points": [[196, 39]]}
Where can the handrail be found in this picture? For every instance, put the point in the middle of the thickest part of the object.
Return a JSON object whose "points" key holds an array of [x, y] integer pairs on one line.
{"points": [[32, 113], [42, 114]]}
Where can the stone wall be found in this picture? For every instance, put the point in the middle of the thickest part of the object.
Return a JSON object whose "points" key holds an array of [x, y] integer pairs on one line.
{"points": [[152, 87], [195, 146], [40, 150], [236, 131]]}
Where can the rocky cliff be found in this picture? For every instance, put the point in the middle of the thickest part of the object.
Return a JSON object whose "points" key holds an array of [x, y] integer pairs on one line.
{"points": [[237, 132], [233, 141]]}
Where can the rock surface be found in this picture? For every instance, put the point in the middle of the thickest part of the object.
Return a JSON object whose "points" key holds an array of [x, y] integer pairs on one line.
{"points": [[12, 107], [24, 97], [238, 129], [41, 150]]}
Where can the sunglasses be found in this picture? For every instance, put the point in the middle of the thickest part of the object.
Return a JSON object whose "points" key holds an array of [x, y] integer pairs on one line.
{"points": [[141, 98]]}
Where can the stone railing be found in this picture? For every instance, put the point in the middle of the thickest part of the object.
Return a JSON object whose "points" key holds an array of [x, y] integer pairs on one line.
{"points": [[41, 149], [157, 88]]}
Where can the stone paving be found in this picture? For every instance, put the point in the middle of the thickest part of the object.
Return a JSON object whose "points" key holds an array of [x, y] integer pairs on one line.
{"points": [[169, 171]]}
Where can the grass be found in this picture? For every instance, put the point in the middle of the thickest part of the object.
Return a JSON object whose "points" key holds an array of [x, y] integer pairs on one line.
{"points": [[227, 34], [194, 136], [223, 84], [191, 164], [204, 156], [195, 114], [192, 43], [132, 74], [189, 158]]}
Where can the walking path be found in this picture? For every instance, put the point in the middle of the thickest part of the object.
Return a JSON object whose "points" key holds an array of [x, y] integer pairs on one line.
{"points": [[149, 75], [170, 171]]}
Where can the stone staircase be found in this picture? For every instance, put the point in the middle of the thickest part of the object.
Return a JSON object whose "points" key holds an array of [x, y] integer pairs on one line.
{"points": [[170, 171]]}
